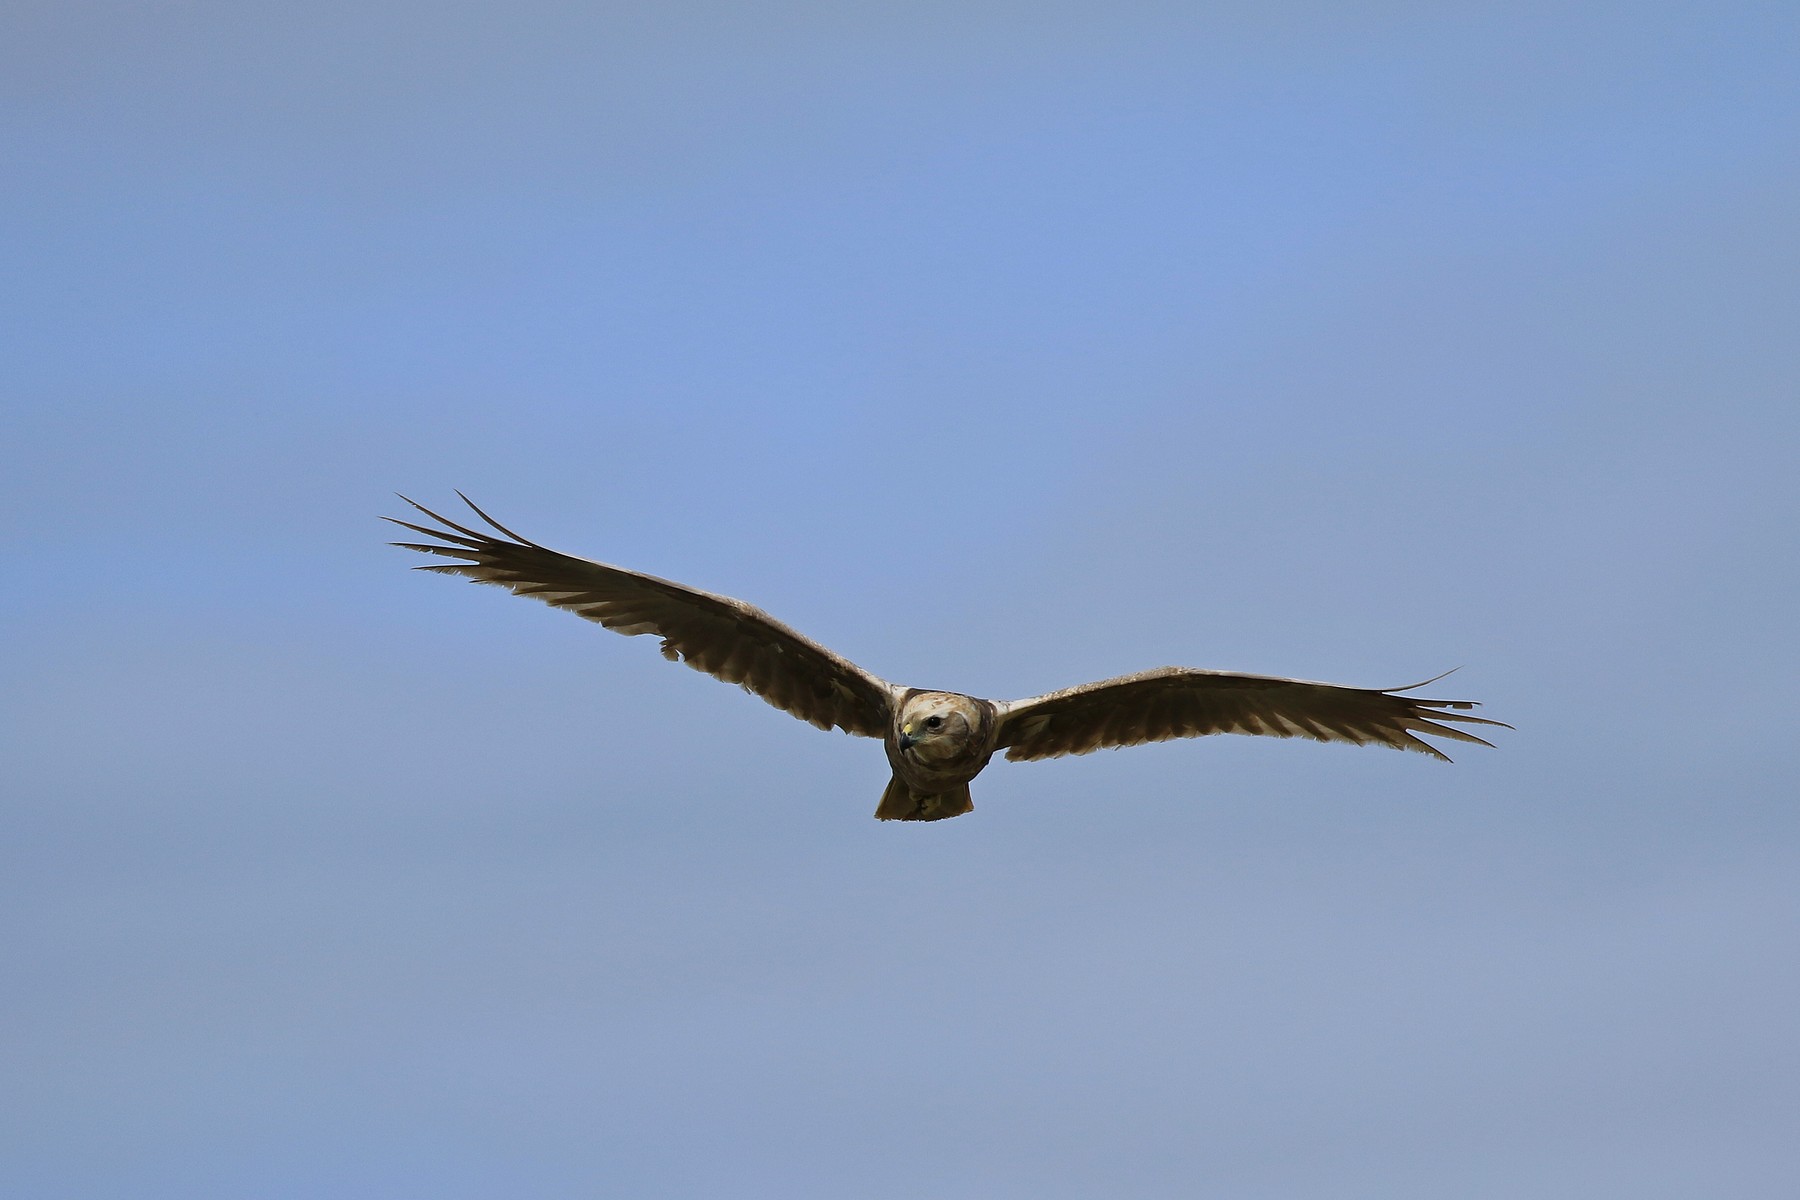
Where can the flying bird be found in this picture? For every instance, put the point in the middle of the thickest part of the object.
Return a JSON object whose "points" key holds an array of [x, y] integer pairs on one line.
{"points": [[936, 741]]}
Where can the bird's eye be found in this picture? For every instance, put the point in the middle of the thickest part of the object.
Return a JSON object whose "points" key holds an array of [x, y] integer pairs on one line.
{"points": [[933, 722]]}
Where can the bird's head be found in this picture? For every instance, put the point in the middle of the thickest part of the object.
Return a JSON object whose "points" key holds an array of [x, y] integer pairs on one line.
{"points": [[939, 726]]}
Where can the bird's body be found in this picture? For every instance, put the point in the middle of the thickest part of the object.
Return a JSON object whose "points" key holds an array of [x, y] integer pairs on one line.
{"points": [[936, 741]]}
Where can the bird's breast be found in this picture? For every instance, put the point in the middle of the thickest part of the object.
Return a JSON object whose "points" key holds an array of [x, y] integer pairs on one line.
{"points": [[932, 772]]}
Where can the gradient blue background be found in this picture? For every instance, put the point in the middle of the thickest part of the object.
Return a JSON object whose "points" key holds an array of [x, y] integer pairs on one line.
{"points": [[1000, 347]]}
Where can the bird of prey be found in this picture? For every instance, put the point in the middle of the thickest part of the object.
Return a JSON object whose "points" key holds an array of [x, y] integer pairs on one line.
{"points": [[936, 741]]}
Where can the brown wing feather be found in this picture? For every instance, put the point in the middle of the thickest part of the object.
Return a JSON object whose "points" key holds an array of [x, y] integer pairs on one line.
{"points": [[1178, 702], [726, 638]]}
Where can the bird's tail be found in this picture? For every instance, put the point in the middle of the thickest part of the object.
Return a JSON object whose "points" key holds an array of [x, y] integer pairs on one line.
{"points": [[901, 803]]}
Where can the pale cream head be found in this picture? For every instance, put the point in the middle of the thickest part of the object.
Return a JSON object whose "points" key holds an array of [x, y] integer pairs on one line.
{"points": [[939, 726]]}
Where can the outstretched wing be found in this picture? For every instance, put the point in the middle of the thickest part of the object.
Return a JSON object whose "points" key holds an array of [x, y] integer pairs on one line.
{"points": [[726, 638], [1178, 702]]}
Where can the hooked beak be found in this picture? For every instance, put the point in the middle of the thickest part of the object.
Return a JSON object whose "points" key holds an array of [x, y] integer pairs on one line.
{"points": [[906, 738]]}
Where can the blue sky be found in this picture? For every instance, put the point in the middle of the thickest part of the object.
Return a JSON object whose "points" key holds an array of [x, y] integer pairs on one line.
{"points": [[1000, 347]]}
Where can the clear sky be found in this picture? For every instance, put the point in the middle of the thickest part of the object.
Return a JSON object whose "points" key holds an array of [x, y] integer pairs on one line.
{"points": [[1000, 347]]}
